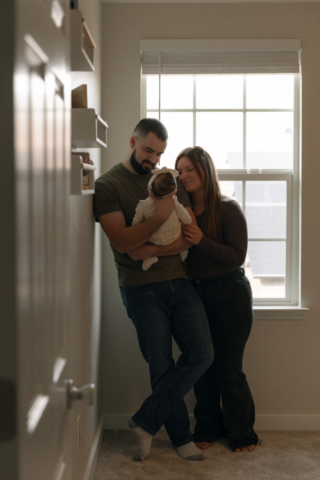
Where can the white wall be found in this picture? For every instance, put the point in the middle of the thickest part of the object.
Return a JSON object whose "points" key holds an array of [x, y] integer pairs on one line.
{"points": [[282, 357], [85, 254]]}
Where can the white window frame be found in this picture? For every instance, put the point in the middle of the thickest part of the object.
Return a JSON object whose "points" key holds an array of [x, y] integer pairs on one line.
{"points": [[288, 307]]}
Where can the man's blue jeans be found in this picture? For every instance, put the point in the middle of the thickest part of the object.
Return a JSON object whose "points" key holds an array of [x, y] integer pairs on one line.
{"points": [[160, 311]]}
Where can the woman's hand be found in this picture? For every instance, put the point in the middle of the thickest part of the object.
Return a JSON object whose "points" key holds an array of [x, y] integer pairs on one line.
{"points": [[141, 253], [192, 233]]}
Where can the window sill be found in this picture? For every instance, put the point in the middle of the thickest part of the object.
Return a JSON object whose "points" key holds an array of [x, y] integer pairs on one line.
{"points": [[279, 313]]}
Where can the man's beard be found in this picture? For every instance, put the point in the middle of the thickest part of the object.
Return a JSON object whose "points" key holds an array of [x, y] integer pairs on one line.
{"points": [[138, 167]]}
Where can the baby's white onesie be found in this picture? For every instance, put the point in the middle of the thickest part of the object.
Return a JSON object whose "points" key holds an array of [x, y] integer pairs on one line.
{"points": [[169, 231]]}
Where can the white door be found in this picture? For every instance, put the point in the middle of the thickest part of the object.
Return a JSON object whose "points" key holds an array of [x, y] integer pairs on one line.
{"points": [[42, 156]]}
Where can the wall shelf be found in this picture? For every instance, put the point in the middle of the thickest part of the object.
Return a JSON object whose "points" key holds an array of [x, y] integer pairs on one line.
{"points": [[88, 129], [82, 44], [82, 176]]}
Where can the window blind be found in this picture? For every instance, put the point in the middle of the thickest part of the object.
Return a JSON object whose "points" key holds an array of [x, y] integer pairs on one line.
{"points": [[220, 56]]}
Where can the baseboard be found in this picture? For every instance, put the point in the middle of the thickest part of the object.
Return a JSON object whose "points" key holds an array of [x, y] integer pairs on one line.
{"points": [[93, 457], [287, 422], [116, 422], [263, 422]]}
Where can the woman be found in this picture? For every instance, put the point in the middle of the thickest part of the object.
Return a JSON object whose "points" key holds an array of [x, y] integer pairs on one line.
{"points": [[220, 246]]}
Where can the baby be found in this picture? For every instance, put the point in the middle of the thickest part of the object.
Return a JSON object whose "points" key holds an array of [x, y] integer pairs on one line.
{"points": [[162, 184]]}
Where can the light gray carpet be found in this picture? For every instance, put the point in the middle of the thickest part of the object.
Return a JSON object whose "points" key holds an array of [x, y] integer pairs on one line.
{"points": [[281, 456]]}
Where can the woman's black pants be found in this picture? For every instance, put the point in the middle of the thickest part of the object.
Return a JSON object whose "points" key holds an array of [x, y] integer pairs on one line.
{"points": [[228, 303]]}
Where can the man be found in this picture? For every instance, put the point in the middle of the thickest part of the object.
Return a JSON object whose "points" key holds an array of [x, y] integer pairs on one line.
{"points": [[161, 302]]}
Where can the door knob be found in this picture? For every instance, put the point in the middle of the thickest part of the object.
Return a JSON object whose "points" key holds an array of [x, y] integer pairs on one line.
{"points": [[86, 393]]}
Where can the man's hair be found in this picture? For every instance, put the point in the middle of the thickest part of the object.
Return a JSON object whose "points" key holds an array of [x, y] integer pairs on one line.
{"points": [[163, 184], [153, 125]]}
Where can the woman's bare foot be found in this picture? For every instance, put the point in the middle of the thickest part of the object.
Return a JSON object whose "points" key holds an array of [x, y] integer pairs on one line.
{"points": [[247, 448], [203, 445]]}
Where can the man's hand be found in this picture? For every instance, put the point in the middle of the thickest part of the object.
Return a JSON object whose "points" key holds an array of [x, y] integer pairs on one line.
{"points": [[141, 253], [164, 206], [192, 233]]}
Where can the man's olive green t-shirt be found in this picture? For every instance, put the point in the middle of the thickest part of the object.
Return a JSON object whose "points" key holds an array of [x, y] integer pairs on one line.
{"points": [[119, 190]]}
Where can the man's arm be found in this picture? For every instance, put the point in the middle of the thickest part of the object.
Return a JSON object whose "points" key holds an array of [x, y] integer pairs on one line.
{"points": [[139, 214], [125, 238], [149, 250]]}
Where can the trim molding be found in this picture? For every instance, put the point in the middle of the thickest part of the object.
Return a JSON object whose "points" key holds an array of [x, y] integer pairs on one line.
{"points": [[226, 45], [263, 422], [208, 1], [93, 457], [288, 422], [279, 313]]}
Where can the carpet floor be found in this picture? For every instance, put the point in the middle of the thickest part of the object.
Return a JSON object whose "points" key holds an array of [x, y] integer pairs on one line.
{"points": [[281, 456]]}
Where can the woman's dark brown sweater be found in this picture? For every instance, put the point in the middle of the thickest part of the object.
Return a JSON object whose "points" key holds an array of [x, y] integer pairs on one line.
{"points": [[212, 258]]}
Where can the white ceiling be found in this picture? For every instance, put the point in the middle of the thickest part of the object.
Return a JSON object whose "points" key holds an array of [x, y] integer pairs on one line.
{"points": [[210, 1]]}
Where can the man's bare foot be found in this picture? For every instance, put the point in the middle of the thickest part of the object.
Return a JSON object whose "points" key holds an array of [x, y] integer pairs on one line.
{"points": [[203, 445], [247, 448]]}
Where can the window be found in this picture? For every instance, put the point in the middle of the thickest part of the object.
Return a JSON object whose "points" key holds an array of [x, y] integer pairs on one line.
{"points": [[249, 123]]}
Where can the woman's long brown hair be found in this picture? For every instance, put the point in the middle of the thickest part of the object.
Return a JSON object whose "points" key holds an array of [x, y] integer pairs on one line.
{"points": [[212, 193]]}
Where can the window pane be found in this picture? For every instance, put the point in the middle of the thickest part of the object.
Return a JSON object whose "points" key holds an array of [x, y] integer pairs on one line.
{"points": [[179, 126], [153, 115], [219, 91], [176, 91], [152, 92], [265, 267], [220, 134], [269, 140], [266, 206], [270, 91], [232, 189]]}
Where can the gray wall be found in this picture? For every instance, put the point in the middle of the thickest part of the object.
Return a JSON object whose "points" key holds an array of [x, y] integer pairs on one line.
{"points": [[282, 357]]}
